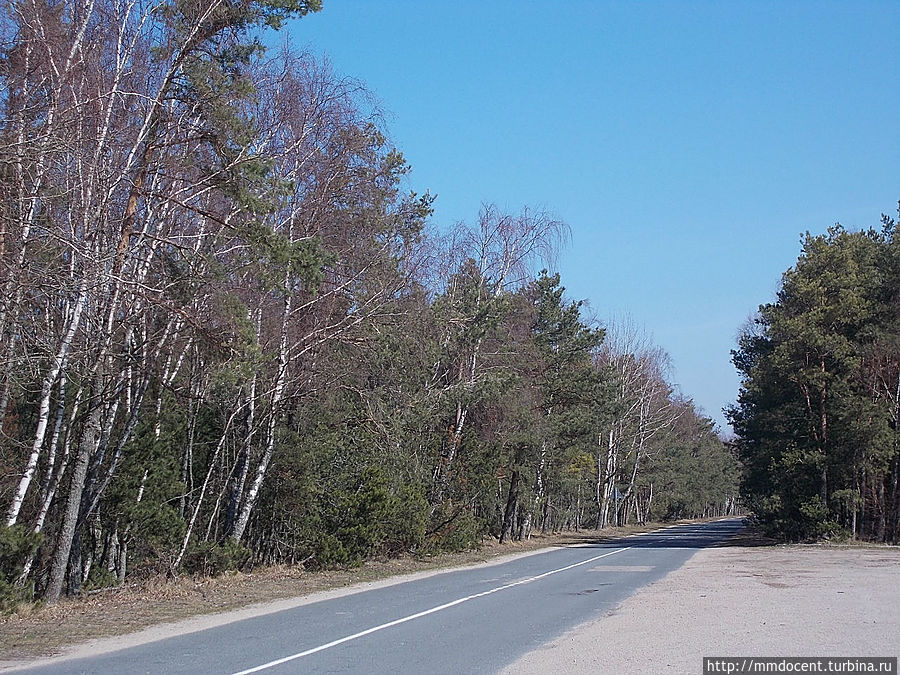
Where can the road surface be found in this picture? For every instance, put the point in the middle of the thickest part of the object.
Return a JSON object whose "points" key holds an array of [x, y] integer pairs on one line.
{"points": [[474, 620]]}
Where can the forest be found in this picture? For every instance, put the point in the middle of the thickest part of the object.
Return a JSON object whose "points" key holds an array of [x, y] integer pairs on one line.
{"points": [[819, 406], [230, 334]]}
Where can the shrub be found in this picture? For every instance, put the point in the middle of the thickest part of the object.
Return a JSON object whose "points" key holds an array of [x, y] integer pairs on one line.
{"points": [[16, 544], [211, 559]]}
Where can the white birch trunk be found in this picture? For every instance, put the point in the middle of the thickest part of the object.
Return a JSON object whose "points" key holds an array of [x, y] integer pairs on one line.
{"points": [[274, 415], [44, 409]]}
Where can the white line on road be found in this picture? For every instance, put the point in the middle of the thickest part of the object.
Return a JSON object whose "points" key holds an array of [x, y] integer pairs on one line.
{"points": [[418, 615]]}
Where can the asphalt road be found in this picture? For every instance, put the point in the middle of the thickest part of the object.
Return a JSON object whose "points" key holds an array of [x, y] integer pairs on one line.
{"points": [[474, 620]]}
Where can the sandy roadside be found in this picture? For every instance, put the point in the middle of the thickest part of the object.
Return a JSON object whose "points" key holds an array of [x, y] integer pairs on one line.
{"points": [[781, 601]]}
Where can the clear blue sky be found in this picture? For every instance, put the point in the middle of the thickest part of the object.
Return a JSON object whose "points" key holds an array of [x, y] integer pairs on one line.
{"points": [[687, 144]]}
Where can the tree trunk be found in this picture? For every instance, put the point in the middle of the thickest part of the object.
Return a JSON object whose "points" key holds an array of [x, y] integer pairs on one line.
{"points": [[606, 487], [509, 514], [539, 506], [823, 426], [44, 408], [895, 537], [243, 461], [274, 415], [90, 436]]}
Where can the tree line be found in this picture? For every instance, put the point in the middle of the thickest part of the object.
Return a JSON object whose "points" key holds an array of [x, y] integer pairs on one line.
{"points": [[819, 406], [229, 336]]}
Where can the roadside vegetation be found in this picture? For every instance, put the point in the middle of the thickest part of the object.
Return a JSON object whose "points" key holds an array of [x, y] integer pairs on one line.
{"points": [[818, 416], [231, 337]]}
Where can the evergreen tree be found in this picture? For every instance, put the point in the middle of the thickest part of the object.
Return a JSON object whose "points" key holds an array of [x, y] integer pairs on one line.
{"points": [[815, 429]]}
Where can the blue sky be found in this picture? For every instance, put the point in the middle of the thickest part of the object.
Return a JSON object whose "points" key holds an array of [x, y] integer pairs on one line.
{"points": [[687, 144]]}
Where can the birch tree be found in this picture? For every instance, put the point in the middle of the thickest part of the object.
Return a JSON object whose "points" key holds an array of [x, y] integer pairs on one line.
{"points": [[102, 99], [497, 257], [643, 406]]}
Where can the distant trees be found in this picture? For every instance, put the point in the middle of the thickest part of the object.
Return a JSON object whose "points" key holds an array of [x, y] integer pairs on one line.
{"points": [[229, 336], [690, 474], [643, 405], [817, 413]]}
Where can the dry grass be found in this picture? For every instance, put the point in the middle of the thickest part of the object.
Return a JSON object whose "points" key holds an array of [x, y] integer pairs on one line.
{"points": [[37, 631]]}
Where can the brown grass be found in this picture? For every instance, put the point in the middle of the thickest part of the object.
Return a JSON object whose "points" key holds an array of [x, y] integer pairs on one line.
{"points": [[36, 631]]}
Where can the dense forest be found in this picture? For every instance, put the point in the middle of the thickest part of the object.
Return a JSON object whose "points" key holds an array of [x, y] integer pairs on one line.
{"points": [[818, 411], [230, 336]]}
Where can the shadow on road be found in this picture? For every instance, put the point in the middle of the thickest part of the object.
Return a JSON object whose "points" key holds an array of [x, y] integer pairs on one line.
{"points": [[718, 534]]}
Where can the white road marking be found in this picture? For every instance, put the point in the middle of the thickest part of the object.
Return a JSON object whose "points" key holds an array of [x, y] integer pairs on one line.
{"points": [[419, 615]]}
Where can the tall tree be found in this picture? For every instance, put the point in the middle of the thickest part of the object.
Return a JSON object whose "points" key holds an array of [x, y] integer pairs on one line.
{"points": [[642, 407], [814, 413]]}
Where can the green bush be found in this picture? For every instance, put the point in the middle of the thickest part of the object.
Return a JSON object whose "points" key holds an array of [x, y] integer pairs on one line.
{"points": [[408, 523], [211, 559], [369, 519], [100, 577], [16, 544], [364, 514], [460, 530]]}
